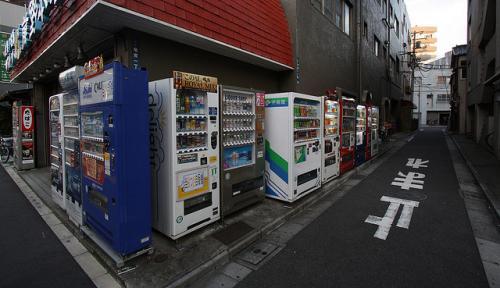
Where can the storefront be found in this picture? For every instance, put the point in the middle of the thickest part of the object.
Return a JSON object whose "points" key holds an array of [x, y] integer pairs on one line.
{"points": [[243, 44]]}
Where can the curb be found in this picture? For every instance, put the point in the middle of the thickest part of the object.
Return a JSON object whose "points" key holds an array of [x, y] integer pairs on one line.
{"points": [[225, 256], [494, 202]]}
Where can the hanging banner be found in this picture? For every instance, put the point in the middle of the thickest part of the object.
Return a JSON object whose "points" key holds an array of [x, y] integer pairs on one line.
{"points": [[184, 80]]}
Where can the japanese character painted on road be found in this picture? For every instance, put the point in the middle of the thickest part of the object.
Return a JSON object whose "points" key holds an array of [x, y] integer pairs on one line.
{"points": [[409, 181], [417, 163], [385, 223]]}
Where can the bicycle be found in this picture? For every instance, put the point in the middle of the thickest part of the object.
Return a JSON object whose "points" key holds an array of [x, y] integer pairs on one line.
{"points": [[6, 149]]}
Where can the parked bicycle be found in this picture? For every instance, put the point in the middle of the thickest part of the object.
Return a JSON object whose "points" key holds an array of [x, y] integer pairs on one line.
{"points": [[6, 149]]}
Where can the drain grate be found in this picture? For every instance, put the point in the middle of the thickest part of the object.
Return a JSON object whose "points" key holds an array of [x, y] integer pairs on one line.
{"points": [[233, 232]]}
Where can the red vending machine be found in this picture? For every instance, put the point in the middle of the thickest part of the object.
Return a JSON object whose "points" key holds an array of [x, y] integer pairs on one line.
{"points": [[348, 133]]}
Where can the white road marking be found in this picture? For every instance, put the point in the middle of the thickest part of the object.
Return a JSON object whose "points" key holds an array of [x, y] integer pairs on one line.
{"points": [[411, 138], [408, 181], [417, 163], [421, 130], [385, 223]]}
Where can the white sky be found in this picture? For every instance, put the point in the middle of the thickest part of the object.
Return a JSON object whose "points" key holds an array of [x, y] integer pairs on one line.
{"points": [[450, 17]]}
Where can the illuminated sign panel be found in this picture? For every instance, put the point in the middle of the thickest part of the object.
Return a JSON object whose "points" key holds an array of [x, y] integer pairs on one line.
{"points": [[20, 39]]}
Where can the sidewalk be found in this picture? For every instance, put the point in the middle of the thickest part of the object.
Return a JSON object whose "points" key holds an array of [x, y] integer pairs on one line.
{"points": [[177, 263], [484, 166], [31, 254]]}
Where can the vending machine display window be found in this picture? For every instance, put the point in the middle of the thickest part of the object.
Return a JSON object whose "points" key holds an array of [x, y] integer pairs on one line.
{"points": [[92, 124], [239, 156]]}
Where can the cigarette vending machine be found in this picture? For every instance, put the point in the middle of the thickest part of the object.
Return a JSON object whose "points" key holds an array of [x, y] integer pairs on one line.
{"points": [[293, 145], [184, 125], [374, 130], [347, 132], [71, 143], [116, 175], [330, 162], [360, 134], [23, 136], [242, 149], [56, 150]]}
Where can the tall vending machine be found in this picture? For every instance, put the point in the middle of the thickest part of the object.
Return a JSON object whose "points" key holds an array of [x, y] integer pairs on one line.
{"points": [[242, 148], [116, 175], [184, 126], [361, 117], [71, 143], [23, 136], [330, 162], [368, 136], [347, 132], [374, 130], [56, 150], [293, 145]]}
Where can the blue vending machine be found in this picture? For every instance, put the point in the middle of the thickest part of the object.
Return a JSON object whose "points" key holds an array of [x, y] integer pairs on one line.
{"points": [[115, 161], [360, 134]]}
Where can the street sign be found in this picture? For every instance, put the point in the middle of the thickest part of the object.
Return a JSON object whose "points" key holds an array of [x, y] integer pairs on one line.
{"points": [[4, 76]]}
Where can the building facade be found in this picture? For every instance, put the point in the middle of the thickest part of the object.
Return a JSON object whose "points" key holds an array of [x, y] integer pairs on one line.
{"points": [[458, 83], [275, 46], [483, 93], [425, 40], [432, 92]]}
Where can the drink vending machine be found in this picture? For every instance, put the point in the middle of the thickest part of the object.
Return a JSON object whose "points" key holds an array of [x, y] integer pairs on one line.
{"points": [[23, 136], [374, 130], [69, 80], [360, 134], [293, 145], [116, 177], [184, 125], [242, 149], [330, 162], [347, 132], [56, 150], [368, 150]]}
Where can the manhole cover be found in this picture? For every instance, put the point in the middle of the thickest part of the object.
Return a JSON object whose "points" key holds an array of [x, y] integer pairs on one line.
{"points": [[258, 252]]}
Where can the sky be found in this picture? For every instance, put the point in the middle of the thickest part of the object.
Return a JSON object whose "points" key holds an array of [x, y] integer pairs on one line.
{"points": [[450, 17]]}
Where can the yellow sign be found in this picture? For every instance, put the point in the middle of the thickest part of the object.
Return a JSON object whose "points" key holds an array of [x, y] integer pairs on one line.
{"points": [[184, 80], [213, 159]]}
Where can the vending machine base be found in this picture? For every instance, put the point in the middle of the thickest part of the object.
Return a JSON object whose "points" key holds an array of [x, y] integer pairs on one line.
{"points": [[117, 258]]}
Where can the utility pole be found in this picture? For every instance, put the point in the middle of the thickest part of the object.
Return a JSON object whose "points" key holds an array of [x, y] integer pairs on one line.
{"points": [[413, 59]]}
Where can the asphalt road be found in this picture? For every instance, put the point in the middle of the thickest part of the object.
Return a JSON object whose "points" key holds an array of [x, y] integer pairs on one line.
{"points": [[338, 249], [30, 253]]}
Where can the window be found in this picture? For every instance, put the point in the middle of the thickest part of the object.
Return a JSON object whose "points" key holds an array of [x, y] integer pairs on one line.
{"points": [[391, 66], [347, 18], [463, 69], [396, 26], [338, 13], [365, 30], [376, 45], [443, 98], [391, 12], [384, 6], [328, 8], [441, 79]]}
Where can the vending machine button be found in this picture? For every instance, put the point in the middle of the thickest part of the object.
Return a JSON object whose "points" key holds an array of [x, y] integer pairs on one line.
{"points": [[214, 185], [203, 161]]}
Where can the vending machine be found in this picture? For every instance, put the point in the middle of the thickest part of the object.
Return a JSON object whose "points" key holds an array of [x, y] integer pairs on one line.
{"points": [[368, 149], [116, 177], [23, 136], [330, 161], [361, 117], [293, 145], [374, 130], [56, 150], [242, 149], [71, 143], [347, 132], [184, 125]]}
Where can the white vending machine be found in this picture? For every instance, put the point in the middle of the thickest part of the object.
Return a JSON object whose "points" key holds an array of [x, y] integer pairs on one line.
{"points": [[374, 130], [57, 158], [184, 125], [330, 160], [292, 145]]}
